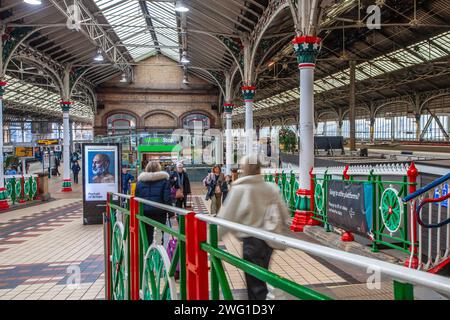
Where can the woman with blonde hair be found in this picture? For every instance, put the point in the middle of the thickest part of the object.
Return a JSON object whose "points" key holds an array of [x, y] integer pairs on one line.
{"points": [[154, 185], [255, 203]]}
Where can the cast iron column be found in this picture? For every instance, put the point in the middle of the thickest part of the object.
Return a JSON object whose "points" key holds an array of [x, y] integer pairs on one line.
{"points": [[228, 107], [307, 48], [249, 95], [67, 182], [3, 194]]}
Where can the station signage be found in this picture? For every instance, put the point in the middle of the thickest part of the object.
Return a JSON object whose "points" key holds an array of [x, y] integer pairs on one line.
{"points": [[24, 152], [438, 194], [158, 141], [8, 149]]}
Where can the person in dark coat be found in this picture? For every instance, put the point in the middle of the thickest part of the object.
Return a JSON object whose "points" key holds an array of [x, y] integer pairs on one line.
{"points": [[127, 178], [154, 185], [76, 170], [179, 179], [57, 164]]}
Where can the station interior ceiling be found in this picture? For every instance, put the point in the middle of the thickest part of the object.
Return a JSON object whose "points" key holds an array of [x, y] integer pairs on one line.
{"points": [[402, 67]]}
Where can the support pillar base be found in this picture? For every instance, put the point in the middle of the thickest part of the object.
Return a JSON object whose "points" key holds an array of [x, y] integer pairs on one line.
{"points": [[67, 185], [347, 237], [4, 205], [313, 222], [301, 219]]}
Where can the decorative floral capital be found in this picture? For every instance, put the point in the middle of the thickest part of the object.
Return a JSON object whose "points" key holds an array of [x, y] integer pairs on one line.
{"points": [[228, 107], [65, 105], [2, 88], [248, 92], [307, 49]]}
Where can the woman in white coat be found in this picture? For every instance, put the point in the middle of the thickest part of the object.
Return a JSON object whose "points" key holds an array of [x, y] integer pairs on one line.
{"points": [[256, 203]]}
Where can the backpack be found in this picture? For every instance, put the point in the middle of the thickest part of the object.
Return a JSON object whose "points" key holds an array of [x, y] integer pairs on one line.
{"points": [[171, 247]]}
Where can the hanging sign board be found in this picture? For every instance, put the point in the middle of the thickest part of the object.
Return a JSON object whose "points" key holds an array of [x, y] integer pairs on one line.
{"points": [[47, 142], [350, 206], [101, 174], [23, 152], [8, 149]]}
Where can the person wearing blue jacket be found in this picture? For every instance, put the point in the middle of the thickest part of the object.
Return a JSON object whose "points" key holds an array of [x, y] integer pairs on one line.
{"points": [[154, 185], [127, 178]]}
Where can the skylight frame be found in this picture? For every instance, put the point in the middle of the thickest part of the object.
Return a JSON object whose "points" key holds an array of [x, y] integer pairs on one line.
{"points": [[432, 47]]}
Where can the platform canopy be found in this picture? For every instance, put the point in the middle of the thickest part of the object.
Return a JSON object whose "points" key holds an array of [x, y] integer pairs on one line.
{"points": [[408, 53]]}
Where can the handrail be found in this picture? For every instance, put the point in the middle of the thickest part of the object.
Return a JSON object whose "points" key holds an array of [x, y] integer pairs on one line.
{"points": [[179, 211], [428, 187], [397, 272], [121, 195]]}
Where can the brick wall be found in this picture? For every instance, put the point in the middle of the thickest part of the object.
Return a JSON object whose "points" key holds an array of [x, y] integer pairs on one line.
{"points": [[157, 97]]}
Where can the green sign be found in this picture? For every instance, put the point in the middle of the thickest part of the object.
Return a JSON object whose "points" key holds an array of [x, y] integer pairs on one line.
{"points": [[158, 141]]}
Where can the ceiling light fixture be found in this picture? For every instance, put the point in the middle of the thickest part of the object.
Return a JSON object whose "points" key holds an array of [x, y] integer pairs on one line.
{"points": [[34, 2], [185, 80], [99, 56], [180, 7], [184, 58]]}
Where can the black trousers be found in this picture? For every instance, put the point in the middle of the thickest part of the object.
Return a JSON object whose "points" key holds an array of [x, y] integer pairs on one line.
{"points": [[181, 203], [75, 178], [161, 218], [258, 252]]}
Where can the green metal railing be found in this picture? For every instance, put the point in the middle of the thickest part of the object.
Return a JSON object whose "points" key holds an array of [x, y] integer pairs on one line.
{"points": [[390, 216], [136, 268], [288, 185], [21, 188], [139, 270], [219, 281]]}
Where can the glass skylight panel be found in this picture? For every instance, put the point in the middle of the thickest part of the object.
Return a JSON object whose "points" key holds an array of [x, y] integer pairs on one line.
{"points": [[129, 23], [35, 96]]}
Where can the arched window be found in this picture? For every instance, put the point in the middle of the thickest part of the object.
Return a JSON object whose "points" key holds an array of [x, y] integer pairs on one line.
{"points": [[190, 120], [120, 122]]}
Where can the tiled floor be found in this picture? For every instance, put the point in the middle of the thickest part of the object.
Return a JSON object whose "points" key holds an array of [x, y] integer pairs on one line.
{"points": [[45, 249]]}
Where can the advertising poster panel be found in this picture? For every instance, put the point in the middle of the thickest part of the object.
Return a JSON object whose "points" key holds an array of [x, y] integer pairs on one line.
{"points": [[349, 206], [101, 174]]}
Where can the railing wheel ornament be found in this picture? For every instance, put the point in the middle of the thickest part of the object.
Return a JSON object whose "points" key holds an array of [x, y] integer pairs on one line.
{"points": [[391, 209], [119, 263], [156, 282]]}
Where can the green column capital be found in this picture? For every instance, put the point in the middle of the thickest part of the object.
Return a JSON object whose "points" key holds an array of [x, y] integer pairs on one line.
{"points": [[65, 105], [307, 49], [2, 88], [228, 107], [248, 93]]}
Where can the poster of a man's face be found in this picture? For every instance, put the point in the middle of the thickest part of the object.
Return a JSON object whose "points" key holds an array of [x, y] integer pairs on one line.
{"points": [[101, 177], [101, 169]]}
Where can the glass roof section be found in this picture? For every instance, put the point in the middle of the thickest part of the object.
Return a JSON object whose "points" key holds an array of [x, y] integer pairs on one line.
{"points": [[423, 51], [36, 97], [129, 23]]}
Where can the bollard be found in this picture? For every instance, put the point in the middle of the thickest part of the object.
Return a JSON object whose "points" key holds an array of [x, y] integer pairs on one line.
{"points": [[413, 173], [107, 226], [347, 236], [134, 250]]}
